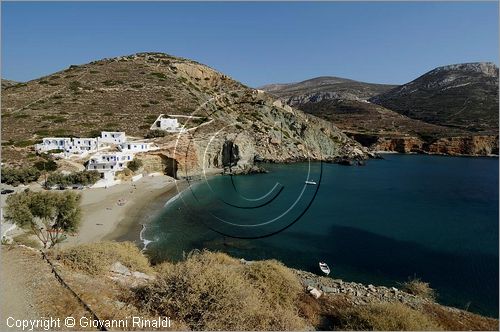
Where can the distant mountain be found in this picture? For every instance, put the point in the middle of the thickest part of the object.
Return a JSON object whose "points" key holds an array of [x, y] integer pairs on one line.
{"points": [[323, 88], [450, 110], [462, 95]]}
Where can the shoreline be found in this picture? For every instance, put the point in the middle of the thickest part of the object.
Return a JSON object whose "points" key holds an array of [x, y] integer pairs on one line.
{"points": [[104, 219]]}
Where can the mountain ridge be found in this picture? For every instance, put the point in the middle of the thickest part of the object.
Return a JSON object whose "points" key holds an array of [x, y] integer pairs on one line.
{"points": [[388, 121]]}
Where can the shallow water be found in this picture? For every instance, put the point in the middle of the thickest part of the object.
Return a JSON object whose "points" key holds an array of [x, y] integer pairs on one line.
{"points": [[432, 217]]}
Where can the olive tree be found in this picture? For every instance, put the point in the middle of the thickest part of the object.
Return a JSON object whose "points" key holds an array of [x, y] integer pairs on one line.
{"points": [[49, 215]]}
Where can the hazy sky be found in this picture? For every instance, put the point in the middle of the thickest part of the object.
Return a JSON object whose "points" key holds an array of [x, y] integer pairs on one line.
{"points": [[256, 43]]}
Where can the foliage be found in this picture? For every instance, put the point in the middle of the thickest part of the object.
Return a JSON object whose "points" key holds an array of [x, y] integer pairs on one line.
{"points": [[16, 176], [155, 133], [212, 291], [46, 165], [84, 178], [96, 258], [134, 165], [48, 215], [384, 317], [418, 287]]}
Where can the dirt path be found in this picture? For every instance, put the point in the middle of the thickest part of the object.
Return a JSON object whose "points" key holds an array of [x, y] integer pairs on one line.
{"points": [[16, 286], [29, 290]]}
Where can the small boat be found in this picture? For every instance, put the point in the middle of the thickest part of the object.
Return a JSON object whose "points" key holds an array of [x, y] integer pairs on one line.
{"points": [[310, 182], [324, 267]]}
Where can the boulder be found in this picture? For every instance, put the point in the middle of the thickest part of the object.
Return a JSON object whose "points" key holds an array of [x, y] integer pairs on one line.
{"points": [[119, 268], [316, 293]]}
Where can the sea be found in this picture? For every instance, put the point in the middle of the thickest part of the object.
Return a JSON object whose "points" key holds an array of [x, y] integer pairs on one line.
{"points": [[435, 218]]}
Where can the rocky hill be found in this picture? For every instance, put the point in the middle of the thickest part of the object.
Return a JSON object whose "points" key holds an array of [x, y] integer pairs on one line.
{"points": [[462, 95], [325, 88], [451, 110], [7, 83], [128, 93]]}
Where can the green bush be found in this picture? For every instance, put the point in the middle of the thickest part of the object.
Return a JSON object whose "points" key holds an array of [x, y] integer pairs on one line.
{"points": [[84, 178], [16, 176], [46, 165]]}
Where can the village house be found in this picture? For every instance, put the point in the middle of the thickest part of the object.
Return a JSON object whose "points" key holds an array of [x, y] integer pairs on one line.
{"points": [[113, 137], [109, 163], [135, 147], [167, 123], [68, 146]]}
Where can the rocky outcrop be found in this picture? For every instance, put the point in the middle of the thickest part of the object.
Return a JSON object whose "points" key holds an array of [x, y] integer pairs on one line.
{"points": [[357, 293], [480, 145]]}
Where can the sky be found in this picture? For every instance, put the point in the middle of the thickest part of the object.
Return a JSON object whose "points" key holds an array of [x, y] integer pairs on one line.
{"points": [[256, 43]]}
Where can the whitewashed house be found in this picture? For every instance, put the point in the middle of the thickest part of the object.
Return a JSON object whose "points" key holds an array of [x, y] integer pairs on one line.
{"points": [[113, 137], [109, 163], [167, 123], [53, 143], [68, 146], [135, 147]]}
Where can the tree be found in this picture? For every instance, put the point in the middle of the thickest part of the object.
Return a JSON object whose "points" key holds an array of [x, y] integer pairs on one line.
{"points": [[84, 178], [46, 165], [134, 165], [16, 176], [49, 215]]}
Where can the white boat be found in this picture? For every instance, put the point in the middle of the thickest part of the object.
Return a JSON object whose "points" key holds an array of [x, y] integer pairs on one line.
{"points": [[311, 182], [324, 267]]}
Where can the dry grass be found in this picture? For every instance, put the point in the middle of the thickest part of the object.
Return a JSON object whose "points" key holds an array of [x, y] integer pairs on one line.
{"points": [[418, 287], [211, 291], [96, 258], [28, 239], [385, 317]]}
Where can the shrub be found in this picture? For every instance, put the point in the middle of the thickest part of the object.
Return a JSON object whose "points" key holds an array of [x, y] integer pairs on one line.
{"points": [[134, 165], [158, 75], [74, 85], [418, 287], [84, 178], [212, 291], [49, 215], [96, 258], [155, 133], [16, 176], [46, 165], [385, 317]]}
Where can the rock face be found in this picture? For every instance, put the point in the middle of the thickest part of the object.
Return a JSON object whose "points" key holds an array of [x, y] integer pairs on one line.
{"points": [[238, 124], [450, 110], [455, 146]]}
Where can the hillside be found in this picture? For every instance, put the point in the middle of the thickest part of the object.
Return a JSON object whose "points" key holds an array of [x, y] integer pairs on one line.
{"points": [[325, 88], [375, 115], [462, 95], [7, 83], [128, 93]]}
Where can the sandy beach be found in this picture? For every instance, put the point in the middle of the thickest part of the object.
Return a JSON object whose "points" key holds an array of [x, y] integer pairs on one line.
{"points": [[117, 212]]}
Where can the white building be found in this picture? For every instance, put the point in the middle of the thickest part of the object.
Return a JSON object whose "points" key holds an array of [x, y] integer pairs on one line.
{"points": [[108, 163], [113, 137], [167, 123], [135, 147], [80, 146]]}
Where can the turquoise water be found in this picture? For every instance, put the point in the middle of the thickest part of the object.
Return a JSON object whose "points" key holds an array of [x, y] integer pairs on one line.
{"points": [[432, 217]]}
